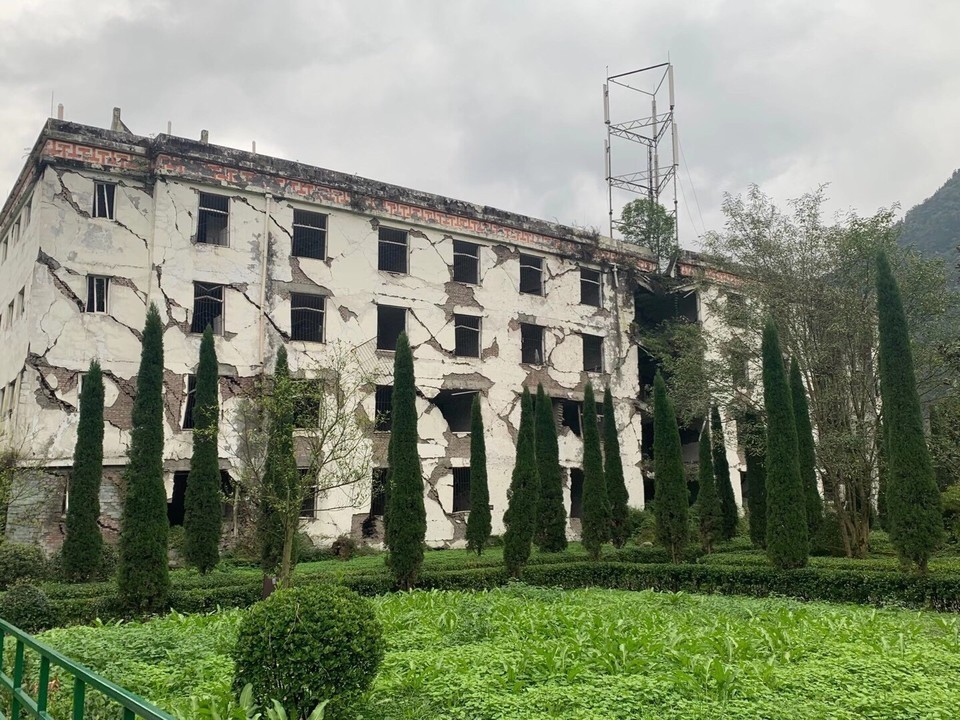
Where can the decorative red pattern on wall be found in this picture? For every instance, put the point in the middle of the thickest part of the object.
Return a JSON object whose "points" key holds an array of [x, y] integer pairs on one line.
{"points": [[88, 154], [709, 273]]}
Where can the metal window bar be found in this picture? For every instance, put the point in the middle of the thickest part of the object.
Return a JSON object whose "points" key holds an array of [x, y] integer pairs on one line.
{"points": [[392, 250], [531, 275], [391, 321], [531, 344], [207, 308], [309, 234], [590, 287], [378, 492], [18, 688], [466, 262], [592, 353], [383, 408], [306, 317], [466, 335], [191, 398], [308, 508], [213, 219], [461, 489], [104, 195], [97, 289]]}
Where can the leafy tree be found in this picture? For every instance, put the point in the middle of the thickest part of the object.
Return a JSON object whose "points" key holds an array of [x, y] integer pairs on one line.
{"points": [[143, 579], [83, 544], [520, 518], [672, 496], [647, 223], [913, 501], [202, 505], [787, 540], [755, 441], [478, 522], [805, 447], [613, 472], [551, 534], [596, 506], [709, 509], [945, 440], [408, 517], [721, 470]]}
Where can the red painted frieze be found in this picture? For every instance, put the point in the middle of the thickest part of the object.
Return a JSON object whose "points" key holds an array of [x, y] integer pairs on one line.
{"points": [[88, 154]]}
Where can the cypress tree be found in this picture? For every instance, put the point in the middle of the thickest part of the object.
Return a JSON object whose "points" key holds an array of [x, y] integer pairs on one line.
{"points": [[787, 539], [478, 522], [613, 473], [756, 480], [596, 506], [708, 499], [805, 447], [280, 467], [83, 544], [721, 471], [408, 517], [912, 500], [520, 518], [672, 497], [143, 578], [882, 517], [202, 505], [551, 533]]}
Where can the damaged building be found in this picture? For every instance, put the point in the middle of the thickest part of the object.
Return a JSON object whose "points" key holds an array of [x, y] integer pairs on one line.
{"points": [[101, 223]]}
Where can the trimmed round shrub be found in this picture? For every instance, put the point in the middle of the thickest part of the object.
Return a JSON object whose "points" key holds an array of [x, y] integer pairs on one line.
{"points": [[308, 644], [27, 607], [20, 562]]}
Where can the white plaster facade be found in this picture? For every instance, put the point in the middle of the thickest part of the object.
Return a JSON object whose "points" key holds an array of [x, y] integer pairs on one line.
{"points": [[149, 252]]}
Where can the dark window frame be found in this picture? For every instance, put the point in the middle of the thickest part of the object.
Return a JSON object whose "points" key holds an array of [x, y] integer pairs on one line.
{"points": [[383, 408], [210, 207], [206, 293], [378, 491], [304, 325], [309, 234], [389, 257], [531, 356], [384, 342], [466, 262], [590, 363], [531, 275], [104, 200], [308, 507], [466, 335], [190, 404], [93, 306], [589, 286], [461, 489]]}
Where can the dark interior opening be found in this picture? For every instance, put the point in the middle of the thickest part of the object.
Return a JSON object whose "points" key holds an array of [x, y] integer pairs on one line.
{"points": [[531, 274], [175, 506], [392, 255], [576, 493], [466, 262], [391, 321], [378, 492], [383, 403], [456, 407], [570, 416], [461, 489], [590, 287], [466, 335], [592, 353], [531, 344]]}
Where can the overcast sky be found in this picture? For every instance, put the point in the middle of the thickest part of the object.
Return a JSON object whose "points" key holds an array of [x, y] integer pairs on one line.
{"points": [[499, 103]]}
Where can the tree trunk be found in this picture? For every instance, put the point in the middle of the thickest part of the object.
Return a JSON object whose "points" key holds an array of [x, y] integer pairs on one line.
{"points": [[286, 565]]}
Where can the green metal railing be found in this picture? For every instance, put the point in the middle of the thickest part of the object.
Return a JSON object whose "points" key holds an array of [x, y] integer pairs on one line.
{"points": [[23, 705]]}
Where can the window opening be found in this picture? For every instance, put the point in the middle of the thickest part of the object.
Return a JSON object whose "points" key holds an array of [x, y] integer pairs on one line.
{"points": [[590, 287], [461, 489], [531, 343], [467, 335], [207, 308], [98, 288], [378, 491], [576, 493], [393, 250], [383, 408], [306, 317], [466, 262], [456, 406], [308, 508], [531, 274], [191, 397], [391, 321], [213, 219], [175, 506], [592, 353], [306, 403], [309, 234], [104, 195]]}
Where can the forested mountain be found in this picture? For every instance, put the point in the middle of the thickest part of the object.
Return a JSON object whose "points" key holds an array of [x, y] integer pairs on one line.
{"points": [[933, 226]]}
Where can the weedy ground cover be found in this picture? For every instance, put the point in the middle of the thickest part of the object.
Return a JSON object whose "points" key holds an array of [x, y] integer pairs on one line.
{"points": [[523, 652]]}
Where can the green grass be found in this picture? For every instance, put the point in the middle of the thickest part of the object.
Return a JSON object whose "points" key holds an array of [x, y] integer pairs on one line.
{"points": [[522, 652]]}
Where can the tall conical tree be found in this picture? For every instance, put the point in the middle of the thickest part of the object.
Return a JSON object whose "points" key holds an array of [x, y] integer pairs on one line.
{"points": [[143, 578], [721, 471], [83, 544], [613, 473], [787, 539], [805, 447], [408, 517], [478, 522], [202, 505], [551, 533], [912, 498], [756, 480], [596, 506], [280, 468], [520, 518], [708, 500], [671, 495]]}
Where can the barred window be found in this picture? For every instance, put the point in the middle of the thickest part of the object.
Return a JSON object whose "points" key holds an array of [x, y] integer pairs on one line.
{"points": [[531, 274], [98, 288], [191, 398], [213, 219], [592, 353], [467, 335], [391, 321], [207, 308], [309, 234], [306, 317], [104, 195], [461, 489], [590, 287], [308, 508], [383, 408], [531, 344], [466, 262], [393, 250], [576, 493], [378, 491]]}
